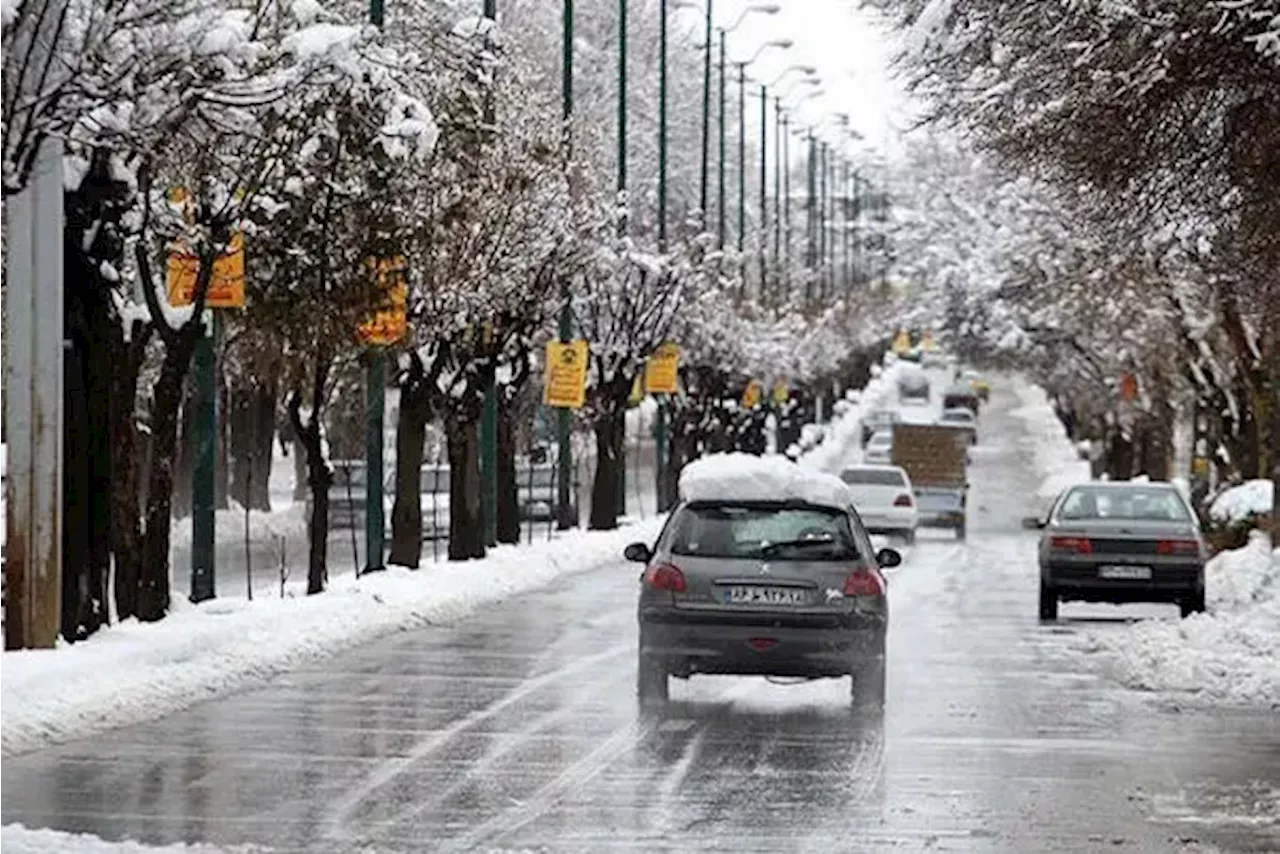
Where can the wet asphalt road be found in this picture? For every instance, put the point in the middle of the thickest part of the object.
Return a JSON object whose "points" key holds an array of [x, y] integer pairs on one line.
{"points": [[518, 731]]}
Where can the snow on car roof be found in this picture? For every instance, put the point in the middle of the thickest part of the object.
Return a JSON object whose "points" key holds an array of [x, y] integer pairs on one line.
{"points": [[1238, 502], [743, 477]]}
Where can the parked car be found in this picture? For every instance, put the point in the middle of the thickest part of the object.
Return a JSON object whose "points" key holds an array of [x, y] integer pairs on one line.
{"points": [[769, 576], [884, 498], [961, 416], [961, 396], [876, 420], [879, 449], [913, 385], [1121, 542]]}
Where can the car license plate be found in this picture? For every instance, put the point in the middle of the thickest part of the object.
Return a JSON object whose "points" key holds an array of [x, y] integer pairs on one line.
{"points": [[757, 595], [1125, 571]]}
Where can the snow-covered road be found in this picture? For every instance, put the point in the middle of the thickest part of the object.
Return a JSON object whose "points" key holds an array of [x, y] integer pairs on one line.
{"points": [[517, 730]]}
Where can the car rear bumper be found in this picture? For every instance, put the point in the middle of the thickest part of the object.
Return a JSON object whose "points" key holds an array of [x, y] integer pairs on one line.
{"points": [[1082, 582], [889, 522], [945, 519], [823, 648]]}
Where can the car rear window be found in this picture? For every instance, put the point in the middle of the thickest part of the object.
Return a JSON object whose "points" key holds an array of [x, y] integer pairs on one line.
{"points": [[733, 530], [874, 477], [1154, 505]]}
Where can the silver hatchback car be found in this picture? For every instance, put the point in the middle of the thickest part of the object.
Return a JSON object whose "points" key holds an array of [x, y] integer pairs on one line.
{"points": [[769, 588], [1120, 542]]}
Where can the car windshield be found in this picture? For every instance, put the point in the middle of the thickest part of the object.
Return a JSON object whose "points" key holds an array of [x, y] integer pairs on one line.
{"points": [[1137, 503], [800, 532], [874, 477]]}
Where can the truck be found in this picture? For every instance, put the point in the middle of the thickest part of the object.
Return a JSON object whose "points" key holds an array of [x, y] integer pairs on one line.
{"points": [[913, 385], [935, 457]]}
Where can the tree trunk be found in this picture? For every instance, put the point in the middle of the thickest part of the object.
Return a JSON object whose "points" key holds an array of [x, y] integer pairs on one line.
{"points": [[319, 479], [411, 433], [153, 589], [126, 469], [508, 499], [466, 533], [76, 604], [604, 487], [1119, 457]]}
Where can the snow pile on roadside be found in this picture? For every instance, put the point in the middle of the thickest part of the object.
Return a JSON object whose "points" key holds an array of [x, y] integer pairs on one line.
{"points": [[1230, 653], [133, 672], [844, 433], [744, 477], [1239, 502], [16, 839], [1056, 458]]}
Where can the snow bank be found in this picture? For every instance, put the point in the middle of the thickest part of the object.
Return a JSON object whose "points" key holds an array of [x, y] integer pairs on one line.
{"points": [[744, 477], [1231, 653], [1238, 502], [844, 434], [133, 672], [1056, 458], [16, 839]]}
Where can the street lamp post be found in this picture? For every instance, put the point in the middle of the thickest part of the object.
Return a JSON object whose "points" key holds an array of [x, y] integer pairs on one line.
{"points": [[375, 406], [565, 516], [763, 226], [660, 422], [720, 161], [706, 118]]}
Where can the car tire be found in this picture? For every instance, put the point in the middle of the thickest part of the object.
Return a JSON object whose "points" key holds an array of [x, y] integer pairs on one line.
{"points": [[652, 682], [960, 533], [1048, 602], [869, 686], [1193, 604], [909, 536]]}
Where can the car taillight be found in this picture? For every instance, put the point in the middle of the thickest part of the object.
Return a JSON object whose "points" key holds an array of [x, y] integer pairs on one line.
{"points": [[863, 582], [664, 576], [902, 500], [1177, 547], [1079, 545]]}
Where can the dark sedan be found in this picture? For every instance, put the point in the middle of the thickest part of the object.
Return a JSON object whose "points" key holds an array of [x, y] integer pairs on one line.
{"points": [[1121, 542], [785, 589]]}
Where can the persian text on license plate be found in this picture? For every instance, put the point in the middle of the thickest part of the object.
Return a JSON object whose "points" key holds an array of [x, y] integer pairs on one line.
{"points": [[1125, 571], [756, 595]]}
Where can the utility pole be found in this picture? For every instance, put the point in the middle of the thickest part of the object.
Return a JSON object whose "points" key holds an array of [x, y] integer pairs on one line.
{"points": [[763, 228], [660, 421], [203, 446], [620, 501], [811, 223], [777, 193], [565, 516], [720, 200], [706, 116], [374, 430], [786, 195], [742, 173], [34, 384], [489, 410]]}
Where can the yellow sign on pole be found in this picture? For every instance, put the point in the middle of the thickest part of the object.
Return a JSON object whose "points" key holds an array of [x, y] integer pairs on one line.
{"points": [[781, 394], [637, 391], [565, 380], [902, 343], [751, 396], [662, 370], [389, 322], [226, 284]]}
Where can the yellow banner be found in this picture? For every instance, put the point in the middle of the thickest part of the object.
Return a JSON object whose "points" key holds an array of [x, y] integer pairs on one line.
{"points": [[902, 343], [389, 322], [565, 380], [226, 285], [781, 393], [751, 397], [662, 370]]}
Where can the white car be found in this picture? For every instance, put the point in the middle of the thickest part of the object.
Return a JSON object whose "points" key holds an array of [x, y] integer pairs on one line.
{"points": [[880, 448], [960, 416], [884, 499]]}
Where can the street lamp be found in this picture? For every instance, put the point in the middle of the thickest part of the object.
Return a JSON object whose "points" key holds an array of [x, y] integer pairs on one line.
{"points": [[781, 44], [782, 174]]}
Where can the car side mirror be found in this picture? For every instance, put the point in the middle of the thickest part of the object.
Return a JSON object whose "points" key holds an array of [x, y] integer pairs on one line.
{"points": [[1033, 523], [888, 558], [637, 553]]}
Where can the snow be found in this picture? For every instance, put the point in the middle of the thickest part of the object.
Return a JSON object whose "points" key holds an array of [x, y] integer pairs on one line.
{"points": [[16, 839], [1057, 460], [744, 477], [1239, 502], [134, 672], [319, 39], [1229, 654]]}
